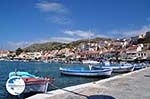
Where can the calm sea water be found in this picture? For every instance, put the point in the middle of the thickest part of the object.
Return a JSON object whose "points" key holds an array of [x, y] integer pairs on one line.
{"points": [[40, 69]]}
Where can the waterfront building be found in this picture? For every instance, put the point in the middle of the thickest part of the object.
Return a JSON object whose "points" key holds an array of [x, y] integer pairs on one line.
{"points": [[140, 47], [51, 54], [4, 53], [23, 55], [84, 47], [101, 44], [145, 54], [90, 54], [141, 36], [130, 53], [34, 55], [146, 46]]}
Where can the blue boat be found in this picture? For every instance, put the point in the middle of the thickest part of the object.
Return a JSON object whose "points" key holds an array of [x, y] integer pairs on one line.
{"points": [[118, 68], [138, 66], [86, 72], [32, 83]]}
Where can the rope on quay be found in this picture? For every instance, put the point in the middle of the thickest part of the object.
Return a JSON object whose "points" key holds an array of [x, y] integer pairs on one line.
{"points": [[68, 90]]}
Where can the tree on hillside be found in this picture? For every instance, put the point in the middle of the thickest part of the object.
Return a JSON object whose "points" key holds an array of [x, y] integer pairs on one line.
{"points": [[19, 51]]}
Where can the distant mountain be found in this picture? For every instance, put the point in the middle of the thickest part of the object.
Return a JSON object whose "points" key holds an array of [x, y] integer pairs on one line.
{"points": [[58, 45], [45, 46], [94, 40]]}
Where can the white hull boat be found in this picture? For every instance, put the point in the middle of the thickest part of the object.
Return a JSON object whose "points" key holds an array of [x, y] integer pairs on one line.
{"points": [[123, 69], [118, 68], [32, 82], [82, 72], [138, 66]]}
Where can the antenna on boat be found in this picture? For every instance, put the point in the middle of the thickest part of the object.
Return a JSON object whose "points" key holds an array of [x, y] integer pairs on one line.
{"points": [[15, 71], [90, 67]]}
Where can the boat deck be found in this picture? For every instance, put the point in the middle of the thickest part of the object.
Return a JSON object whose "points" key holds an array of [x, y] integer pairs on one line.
{"points": [[134, 85]]}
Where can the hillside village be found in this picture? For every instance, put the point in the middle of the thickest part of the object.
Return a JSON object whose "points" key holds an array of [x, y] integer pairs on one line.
{"points": [[129, 49]]}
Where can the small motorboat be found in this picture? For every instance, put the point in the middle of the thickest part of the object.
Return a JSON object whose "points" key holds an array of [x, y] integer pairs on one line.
{"points": [[138, 66], [32, 83], [118, 68], [86, 72]]}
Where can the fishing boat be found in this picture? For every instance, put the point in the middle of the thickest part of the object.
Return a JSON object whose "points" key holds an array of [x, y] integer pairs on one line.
{"points": [[86, 72], [138, 66], [118, 68], [32, 83], [90, 62]]}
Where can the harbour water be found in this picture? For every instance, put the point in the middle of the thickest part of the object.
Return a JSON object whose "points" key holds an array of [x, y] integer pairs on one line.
{"points": [[40, 69]]}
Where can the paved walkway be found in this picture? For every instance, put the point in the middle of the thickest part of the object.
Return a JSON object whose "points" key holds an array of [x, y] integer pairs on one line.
{"points": [[135, 85]]}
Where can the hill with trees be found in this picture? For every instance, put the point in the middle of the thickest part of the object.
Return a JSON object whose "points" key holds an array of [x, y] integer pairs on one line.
{"points": [[59, 45]]}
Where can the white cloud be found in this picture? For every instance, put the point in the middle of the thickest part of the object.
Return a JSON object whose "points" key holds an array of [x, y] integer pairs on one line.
{"points": [[102, 35], [63, 39], [80, 33], [73, 35], [22, 44], [128, 33], [70, 36], [51, 7], [137, 31], [58, 13], [60, 20]]}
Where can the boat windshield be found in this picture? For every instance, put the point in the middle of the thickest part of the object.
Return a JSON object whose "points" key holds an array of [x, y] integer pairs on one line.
{"points": [[22, 74]]}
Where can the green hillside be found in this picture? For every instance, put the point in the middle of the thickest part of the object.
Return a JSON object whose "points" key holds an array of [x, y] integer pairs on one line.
{"points": [[57, 45]]}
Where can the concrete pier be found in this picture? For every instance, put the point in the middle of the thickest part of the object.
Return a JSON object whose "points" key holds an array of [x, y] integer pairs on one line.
{"points": [[134, 85]]}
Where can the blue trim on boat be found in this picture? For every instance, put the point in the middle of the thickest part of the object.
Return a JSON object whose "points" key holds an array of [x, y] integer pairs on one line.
{"points": [[84, 71]]}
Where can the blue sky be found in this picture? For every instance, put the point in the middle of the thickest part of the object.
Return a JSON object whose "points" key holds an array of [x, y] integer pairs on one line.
{"points": [[24, 22]]}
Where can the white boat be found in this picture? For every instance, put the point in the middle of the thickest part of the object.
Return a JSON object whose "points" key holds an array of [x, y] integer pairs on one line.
{"points": [[138, 66], [118, 68], [122, 68], [86, 72], [47, 61], [90, 62], [32, 82]]}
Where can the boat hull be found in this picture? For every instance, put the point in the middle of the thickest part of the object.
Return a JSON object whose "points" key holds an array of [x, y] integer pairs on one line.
{"points": [[137, 67], [140, 66], [35, 85], [35, 88], [32, 83], [118, 69], [86, 73], [123, 70]]}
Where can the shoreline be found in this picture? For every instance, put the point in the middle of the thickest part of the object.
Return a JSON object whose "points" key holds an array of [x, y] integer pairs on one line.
{"points": [[59, 92]]}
